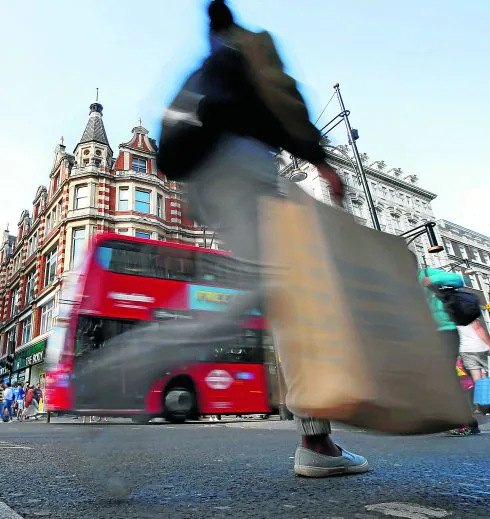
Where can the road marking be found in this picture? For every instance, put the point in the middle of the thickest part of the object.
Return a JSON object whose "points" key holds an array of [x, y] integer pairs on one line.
{"points": [[407, 510], [6, 445], [7, 513]]}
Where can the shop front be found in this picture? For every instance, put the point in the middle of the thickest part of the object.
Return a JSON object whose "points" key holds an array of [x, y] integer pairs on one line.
{"points": [[4, 374], [29, 364]]}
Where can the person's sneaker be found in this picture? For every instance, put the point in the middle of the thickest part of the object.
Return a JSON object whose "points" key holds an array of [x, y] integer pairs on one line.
{"points": [[462, 431], [474, 430], [312, 464]]}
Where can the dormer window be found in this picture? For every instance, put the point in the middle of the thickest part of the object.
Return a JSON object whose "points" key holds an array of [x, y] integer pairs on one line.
{"points": [[139, 165]]}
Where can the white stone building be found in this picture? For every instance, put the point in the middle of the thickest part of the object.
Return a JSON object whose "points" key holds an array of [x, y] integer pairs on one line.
{"points": [[468, 252], [401, 204]]}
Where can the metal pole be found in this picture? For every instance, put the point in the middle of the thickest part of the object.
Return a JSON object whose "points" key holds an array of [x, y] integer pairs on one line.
{"points": [[362, 174]]}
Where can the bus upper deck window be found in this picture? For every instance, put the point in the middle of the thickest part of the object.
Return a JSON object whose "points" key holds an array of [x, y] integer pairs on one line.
{"points": [[104, 256]]}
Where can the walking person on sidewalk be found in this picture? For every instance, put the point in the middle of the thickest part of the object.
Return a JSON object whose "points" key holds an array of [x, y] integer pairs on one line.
{"points": [[474, 350], [2, 390], [31, 404], [430, 277], [19, 400], [239, 169], [8, 396]]}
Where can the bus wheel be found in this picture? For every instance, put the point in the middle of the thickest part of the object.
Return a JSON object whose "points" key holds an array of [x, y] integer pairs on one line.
{"points": [[179, 402]]}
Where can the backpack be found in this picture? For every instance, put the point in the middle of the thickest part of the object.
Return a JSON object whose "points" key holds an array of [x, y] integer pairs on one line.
{"points": [[461, 306]]}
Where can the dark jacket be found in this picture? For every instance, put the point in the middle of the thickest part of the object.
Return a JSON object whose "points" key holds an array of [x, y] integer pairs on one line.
{"points": [[245, 91]]}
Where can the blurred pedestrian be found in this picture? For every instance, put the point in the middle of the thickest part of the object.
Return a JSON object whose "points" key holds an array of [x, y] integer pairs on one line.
{"points": [[245, 126], [432, 278], [2, 389], [31, 404], [474, 350], [19, 400], [8, 396]]}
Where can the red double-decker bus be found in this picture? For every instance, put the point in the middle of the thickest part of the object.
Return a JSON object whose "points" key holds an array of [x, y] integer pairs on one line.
{"points": [[125, 281]]}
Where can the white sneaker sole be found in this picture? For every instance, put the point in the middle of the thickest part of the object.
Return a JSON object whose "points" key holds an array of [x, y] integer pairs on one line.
{"points": [[325, 472]]}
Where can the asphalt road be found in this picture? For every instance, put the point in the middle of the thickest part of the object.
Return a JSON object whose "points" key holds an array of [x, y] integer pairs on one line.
{"points": [[236, 469]]}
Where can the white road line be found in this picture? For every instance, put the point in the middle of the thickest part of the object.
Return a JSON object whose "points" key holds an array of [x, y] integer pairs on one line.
{"points": [[7, 513], [6, 445], [408, 510]]}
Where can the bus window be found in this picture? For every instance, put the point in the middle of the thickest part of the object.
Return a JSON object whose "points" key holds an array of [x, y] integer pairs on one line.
{"points": [[246, 349], [146, 260]]}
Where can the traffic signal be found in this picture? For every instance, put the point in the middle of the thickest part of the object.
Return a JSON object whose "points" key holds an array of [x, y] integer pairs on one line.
{"points": [[9, 362]]}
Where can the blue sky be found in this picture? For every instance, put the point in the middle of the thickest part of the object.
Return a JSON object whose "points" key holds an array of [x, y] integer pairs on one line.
{"points": [[414, 75]]}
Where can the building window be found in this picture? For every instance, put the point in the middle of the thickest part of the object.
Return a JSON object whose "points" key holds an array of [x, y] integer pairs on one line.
{"points": [[467, 279], [26, 329], [160, 206], [50, 267], [142, 201], [456, 249], [47, 316], [81, 197], [139, 165], [123, 199], [123, 231], [30, 287], [11, 340], [14, 301], [32, 245], [56, 183], [77, 245], [396, 223], [146, 235], [48, 223], [447, 246]]}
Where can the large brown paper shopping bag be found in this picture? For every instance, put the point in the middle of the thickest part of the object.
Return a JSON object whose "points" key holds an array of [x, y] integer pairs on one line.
{"points": [[357, 341]]}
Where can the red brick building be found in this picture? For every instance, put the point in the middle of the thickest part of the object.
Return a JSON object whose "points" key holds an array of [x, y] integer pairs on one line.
{"points": [[89, 191]]}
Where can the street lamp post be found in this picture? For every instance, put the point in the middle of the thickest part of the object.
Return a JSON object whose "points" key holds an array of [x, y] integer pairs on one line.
{"points": [[426, 228], [352, 137]]}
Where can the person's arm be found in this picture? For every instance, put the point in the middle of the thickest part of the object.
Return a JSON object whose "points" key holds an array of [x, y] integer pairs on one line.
{"points": [[481, 332], [440, 277]]}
